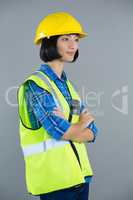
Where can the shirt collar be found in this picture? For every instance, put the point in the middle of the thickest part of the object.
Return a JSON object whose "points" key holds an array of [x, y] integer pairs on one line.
{"points": [[50, 72]]}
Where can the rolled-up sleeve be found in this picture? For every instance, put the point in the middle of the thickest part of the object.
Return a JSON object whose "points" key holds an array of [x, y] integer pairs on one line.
{"points": [[42, 104], [92, 125]]}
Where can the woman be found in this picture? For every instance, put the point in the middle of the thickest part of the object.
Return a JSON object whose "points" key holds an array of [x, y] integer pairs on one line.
{"points": [[53, 121]]}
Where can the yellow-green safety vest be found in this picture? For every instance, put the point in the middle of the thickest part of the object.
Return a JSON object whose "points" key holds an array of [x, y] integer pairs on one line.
{"points": [[50, 164]]}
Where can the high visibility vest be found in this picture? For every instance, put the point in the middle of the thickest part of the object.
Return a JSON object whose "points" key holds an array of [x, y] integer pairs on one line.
{"points": [[51, 164]]}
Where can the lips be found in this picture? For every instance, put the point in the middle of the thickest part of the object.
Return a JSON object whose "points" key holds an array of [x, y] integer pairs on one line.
{"points": [[70, 53]]}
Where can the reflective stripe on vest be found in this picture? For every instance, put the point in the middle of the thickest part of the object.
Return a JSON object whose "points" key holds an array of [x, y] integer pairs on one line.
{"points": [[40, 75], [42, 146]]}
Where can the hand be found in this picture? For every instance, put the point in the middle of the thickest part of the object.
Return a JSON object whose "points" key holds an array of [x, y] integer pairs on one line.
{"points": [[57, 111], [85, 118]]}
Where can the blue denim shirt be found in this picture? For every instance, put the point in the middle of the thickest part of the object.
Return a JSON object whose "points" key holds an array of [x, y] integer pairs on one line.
{"points": [[41, 104]]}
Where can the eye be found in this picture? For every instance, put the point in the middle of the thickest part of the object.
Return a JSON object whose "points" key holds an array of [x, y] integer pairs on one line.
{"points": [[65, 39], [77, 40]]}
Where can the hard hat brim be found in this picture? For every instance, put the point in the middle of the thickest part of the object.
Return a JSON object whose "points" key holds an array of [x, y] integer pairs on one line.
{"points": [[38, 40]]}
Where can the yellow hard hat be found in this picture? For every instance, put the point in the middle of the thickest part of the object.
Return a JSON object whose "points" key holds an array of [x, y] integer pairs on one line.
{"points": [[58, 23]]}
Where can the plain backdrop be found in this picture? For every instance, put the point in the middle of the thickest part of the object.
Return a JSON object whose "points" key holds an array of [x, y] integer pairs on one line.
{"points": [[102, 74]]}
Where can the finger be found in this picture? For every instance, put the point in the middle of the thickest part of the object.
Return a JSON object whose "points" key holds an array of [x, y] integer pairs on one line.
{"points": [[84, 110], [57, 108], [58, 112], [87, 113], [91, 119]]}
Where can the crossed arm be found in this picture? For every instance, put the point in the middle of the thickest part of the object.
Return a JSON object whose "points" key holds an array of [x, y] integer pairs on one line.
{"points": [[41, 111]]}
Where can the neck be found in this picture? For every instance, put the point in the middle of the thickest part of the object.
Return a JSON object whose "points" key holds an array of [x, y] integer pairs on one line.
{"points": [[57, 67]]}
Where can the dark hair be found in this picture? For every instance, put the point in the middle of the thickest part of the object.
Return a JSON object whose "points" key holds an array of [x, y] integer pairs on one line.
{"points": [[49, 52]]}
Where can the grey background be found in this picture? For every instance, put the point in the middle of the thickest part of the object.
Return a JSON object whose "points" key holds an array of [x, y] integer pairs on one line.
{"points": [[104, 66]]}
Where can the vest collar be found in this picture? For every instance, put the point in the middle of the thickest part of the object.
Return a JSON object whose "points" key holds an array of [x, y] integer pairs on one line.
{"points": [[51, 74]]}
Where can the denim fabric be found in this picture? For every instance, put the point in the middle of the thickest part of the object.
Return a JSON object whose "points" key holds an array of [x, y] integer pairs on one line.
{"points": [[75, 193]]}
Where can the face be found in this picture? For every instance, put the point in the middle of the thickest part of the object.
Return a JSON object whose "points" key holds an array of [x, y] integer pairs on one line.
{"points": [[67, 46]]}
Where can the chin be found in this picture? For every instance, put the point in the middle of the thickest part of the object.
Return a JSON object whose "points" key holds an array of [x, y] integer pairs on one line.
{"points": [[68, 59]]}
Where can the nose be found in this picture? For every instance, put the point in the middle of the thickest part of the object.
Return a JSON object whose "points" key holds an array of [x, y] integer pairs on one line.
{"points": [[72, 45]]}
